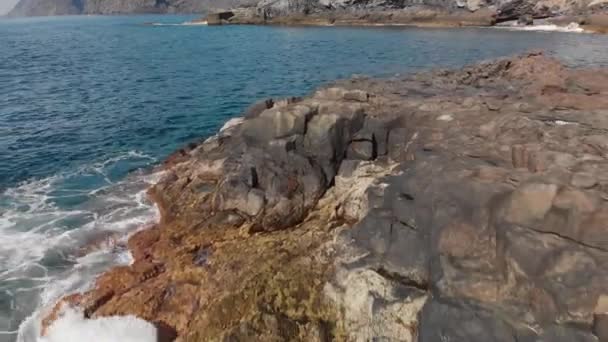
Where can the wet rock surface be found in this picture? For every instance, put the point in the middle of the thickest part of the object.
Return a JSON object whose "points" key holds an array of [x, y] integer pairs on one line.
{"points": [[452, 205]]}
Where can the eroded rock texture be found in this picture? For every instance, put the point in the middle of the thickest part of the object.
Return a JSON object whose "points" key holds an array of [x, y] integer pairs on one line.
{"points": [[465, 205]]}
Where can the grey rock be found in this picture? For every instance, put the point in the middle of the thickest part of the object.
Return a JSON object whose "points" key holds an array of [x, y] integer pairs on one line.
{"points": [[277, 123], [356, 95], [583, 180], [327, 135], [525, 20], [459, 322], [561, 333], [255, 109], [600, 327], [399, 140], [376, 130], [219, 18], [361, 149]]}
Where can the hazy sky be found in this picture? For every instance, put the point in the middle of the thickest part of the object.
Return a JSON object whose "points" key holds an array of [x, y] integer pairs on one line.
{"points": [[7, 5]]}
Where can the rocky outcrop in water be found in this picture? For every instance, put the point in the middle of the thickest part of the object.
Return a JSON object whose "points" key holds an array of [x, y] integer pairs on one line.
{"points": [[454, 205], [428, 13]]}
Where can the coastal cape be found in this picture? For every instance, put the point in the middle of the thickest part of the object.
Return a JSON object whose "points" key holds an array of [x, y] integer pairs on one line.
{"points": [[593, 14], [461, 205], [575, 16]]}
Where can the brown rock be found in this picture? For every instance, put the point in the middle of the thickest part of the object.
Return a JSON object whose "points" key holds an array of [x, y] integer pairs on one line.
{"points": [[595, 230], [530, 203], [583, 180]]}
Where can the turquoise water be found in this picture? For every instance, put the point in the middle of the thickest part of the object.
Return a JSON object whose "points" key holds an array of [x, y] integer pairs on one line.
{"points": [[89, 104]]}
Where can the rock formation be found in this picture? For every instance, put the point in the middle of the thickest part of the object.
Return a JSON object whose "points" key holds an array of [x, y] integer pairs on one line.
{"points": [[427, 13], [341, 12], [453, 205]]}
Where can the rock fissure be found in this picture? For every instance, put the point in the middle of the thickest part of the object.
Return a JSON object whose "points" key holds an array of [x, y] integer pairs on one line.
{"points": [[567, 238], [409, 225], [407, 282]]}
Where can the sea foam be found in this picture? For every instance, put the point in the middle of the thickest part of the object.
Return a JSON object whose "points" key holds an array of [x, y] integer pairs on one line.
{"points": [[188, 23], [572, 27], [73, 327], [56, 245]]}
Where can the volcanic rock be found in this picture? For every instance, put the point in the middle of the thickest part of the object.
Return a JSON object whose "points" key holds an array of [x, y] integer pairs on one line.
{"points": [[359, 215]]}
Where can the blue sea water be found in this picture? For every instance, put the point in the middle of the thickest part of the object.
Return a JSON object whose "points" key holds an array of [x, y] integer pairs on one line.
{"points": [[89, 104]]}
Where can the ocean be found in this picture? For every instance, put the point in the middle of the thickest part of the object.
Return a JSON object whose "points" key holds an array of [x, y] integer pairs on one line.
{"points": [[90, 104]]}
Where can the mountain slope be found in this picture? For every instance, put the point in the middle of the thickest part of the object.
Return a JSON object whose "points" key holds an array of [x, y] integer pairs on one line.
{"points": [[66, 7], [46, 7]]}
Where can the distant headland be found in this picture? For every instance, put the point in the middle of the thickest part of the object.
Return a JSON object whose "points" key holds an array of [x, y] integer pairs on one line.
{"points": [[590, 15]]}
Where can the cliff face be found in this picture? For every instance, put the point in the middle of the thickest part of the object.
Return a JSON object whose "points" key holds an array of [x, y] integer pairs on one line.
{"points": [[467, 205]]}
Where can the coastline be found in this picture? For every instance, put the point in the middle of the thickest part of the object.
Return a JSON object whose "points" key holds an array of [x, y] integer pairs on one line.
{"points": [[263, 225], [589, 23], [421, 16]]}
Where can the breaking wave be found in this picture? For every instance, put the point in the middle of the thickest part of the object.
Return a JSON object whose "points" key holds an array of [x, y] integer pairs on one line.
{"points": [[188, 23], [572, 27], [72, 326], [60, 232]]}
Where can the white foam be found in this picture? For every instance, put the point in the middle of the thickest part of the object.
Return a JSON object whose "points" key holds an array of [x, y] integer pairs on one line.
{"points": [[234, 122], [195, 23], [34, 228], [73, 327], [563, 123], [572, 27], [188, 23], [445, 117]]}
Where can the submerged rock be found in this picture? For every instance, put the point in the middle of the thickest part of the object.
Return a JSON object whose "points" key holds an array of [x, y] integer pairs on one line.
{"points": [[360, 213]]}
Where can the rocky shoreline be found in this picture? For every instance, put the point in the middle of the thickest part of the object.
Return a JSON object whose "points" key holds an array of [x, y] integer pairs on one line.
{"points": [[461, 205], [474, 14], [412, 17], [590, 15], [426, 19]]}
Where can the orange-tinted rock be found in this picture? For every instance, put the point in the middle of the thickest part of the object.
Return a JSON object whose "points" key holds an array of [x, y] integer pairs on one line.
{"points": [[141, 242], [70, 300]]}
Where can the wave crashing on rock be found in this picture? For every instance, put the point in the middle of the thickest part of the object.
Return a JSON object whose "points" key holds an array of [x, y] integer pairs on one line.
{"points": [[73, 326]]}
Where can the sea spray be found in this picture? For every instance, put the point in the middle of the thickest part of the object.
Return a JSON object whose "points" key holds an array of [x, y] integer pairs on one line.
{"points": [[570, 28], [61, 232], [71, 326]]}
